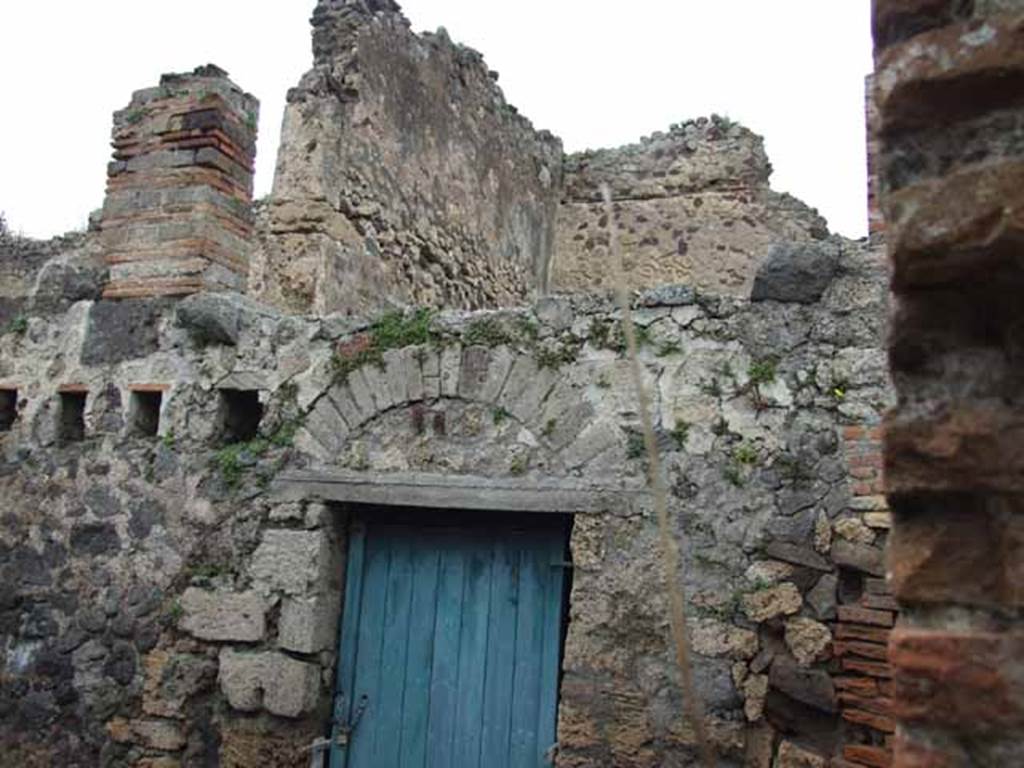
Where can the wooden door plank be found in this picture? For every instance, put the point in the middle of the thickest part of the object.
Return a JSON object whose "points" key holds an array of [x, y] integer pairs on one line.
{"points": [[394, 653], [369, 642], [347, 660], [426, 549], [501, 648], [473, 643], [526, 683], [444, 693], [552, 651]]}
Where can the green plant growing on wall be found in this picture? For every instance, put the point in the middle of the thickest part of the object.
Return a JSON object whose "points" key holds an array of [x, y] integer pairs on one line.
{"points": [[393, 330], [720, 428], [599, 334], [838, 389], [760, 373], [135, 115], [500, 416], [17, 326], [680, 433], [487, 332], [746, 455], [519, 465], [554, 357], [669, 348], [549, 428], [635, 447]]}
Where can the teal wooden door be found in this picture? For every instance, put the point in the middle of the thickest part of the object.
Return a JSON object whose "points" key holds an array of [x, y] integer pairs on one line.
{"points": [[450, 645]]}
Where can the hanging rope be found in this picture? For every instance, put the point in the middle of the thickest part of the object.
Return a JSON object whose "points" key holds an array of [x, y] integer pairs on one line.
{"points": [[693, 707]]}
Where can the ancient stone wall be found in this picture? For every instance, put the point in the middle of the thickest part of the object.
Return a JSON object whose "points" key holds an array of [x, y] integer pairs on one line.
{"points": [[162, 603], [949, 80], [693, 206], [403, 177], [177, 217]]}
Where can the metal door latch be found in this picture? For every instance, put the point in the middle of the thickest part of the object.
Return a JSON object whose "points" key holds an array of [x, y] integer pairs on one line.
{"points": [[345, 731]]}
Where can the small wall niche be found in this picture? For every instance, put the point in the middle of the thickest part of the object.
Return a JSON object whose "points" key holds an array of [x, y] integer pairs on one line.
{"points": [[240, 414], [8, 408], [71, 416], [144, 411]]}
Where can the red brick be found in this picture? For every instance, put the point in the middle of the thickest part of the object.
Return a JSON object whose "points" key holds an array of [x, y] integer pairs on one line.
{"points": [[876, 757], [970, 447], [854, 615], [880, 602], [945, 74], [879, 705], [960, 680], [967, 549], [866, 650], [864, 686], [859, 632], [873, 668], [871, 720]]}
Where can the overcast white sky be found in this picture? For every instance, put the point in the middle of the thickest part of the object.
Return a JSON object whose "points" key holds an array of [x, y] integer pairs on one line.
{"points": [[595, 73]]}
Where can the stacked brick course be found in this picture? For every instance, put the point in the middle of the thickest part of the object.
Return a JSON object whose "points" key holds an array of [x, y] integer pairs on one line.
{"points": [[950, 80], [177, 216], [866, 613]]}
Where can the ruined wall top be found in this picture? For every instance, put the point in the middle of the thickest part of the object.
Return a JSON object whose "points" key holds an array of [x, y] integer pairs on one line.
{"points": [[403, 176], [335, 21], [702, 154]]}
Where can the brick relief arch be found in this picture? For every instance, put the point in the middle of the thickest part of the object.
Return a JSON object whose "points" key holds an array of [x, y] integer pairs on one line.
{"points": [[492, 386]]}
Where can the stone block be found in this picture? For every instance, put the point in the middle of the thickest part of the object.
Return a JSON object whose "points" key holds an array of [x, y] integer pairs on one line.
{"points": [[792, 553], [166, 735], [822, 597], [297, 563], [395, 376], [223, 616], [780, 600], [791, 755], [796, 273], [807, 639], [271, 681], [326, 424], [451, 369], [717, 638], [812, 687], [309, 624], [362, 395], [859, 557], [411, 357]]}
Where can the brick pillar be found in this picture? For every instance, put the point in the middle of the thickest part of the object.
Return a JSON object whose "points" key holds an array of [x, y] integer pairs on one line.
{"points": [[950, 89], [177, 217]]}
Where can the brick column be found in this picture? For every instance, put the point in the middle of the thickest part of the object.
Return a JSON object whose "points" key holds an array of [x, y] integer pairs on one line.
{"points": [[177, 217], [950, 89]]}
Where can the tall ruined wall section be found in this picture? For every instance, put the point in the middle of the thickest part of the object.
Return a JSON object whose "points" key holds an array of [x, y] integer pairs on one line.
{"points": [[693, 206], [403, 176], [161, 604]]}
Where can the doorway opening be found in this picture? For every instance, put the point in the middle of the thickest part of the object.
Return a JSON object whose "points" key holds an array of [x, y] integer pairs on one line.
{"points": [[452, 638]]}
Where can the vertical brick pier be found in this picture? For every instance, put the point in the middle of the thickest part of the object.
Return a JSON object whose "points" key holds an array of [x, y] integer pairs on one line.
{"points": [[177, 217], [950, 88]]}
